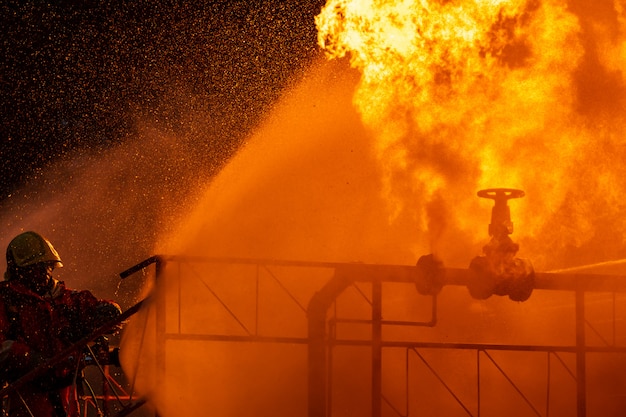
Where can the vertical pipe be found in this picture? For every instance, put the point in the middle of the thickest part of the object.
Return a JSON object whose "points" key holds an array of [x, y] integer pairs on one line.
{"points": [[376, 348], [317, 364], [581, 375], [332, 336], [433, 321], [406, 382], [478, 382], [317, 359], [614, 321]]}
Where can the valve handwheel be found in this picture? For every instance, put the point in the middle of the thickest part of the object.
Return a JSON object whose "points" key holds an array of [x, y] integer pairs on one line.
{"points": [[500, 194], [500, 214]]}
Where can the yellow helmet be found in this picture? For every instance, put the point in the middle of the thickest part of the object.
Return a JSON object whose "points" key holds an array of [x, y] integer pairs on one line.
{"points": [[30, 248]]}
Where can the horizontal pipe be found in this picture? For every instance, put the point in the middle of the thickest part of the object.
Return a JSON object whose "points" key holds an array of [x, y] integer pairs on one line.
{"points": [[360, 272], [481, 346], [391, 343], [386, 322], [228, 338]]}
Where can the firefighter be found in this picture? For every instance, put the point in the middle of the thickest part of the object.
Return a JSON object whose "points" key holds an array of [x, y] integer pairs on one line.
{"points": [[39, 318]]}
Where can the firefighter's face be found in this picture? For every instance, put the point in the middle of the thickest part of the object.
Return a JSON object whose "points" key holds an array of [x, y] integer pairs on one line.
{"points": [[38, 277]]}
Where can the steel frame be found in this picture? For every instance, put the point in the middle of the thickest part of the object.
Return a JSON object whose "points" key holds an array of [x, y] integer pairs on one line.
{"points": [[321, 336]]}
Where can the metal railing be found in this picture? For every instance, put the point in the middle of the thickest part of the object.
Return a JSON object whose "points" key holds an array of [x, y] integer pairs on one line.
{"points": [[321, 337]]}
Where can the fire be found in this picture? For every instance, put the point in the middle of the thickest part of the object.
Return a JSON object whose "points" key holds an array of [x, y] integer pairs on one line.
{"points": [[465, 95]]}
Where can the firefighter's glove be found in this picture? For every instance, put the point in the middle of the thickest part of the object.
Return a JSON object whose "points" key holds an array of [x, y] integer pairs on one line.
{"points": [[105, 312]]}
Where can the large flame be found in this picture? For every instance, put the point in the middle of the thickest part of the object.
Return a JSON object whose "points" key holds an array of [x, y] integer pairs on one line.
{"points": [[472, 94]]}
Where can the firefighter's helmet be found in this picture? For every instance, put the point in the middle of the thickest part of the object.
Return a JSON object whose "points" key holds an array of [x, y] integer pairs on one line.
{"points": [[30, 248]]}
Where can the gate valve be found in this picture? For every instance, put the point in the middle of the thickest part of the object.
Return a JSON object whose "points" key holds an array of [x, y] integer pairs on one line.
{"points": [[499, 271]]}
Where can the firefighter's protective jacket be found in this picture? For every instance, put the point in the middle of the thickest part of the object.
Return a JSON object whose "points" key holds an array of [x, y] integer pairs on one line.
{"points": [[34, 328]]}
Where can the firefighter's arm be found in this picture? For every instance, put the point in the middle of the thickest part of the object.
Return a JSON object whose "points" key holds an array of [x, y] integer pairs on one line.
{"points": [[15, 356], [98, 312]]}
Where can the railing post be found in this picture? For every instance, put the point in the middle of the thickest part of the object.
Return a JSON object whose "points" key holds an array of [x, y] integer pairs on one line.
{"points": [[376, 348], [160, 316], [581, 371]]}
